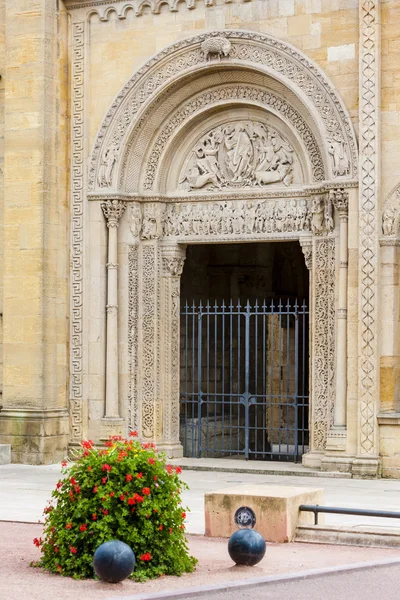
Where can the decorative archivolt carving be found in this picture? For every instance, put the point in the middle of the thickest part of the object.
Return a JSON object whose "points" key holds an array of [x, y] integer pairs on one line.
{"points": [[368, 218], [237, 155], [257, 49], [252, 94], [391, 213]]}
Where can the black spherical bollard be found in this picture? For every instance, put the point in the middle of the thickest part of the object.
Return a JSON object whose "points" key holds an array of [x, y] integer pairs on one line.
{"points": [[113, 561], [246, 547]]}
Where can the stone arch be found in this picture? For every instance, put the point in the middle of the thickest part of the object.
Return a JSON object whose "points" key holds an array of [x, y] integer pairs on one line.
{"points": [[184, 61]]}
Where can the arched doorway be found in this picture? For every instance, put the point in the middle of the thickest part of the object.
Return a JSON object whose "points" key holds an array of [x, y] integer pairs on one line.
{"points": [[244, 351]]}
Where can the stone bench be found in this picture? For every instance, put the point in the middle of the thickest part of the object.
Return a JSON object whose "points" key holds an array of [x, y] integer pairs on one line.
{"points": [[276, 509]]}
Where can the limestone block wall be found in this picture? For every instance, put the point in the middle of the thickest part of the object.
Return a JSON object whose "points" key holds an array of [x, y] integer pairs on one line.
{"points": [[2, 106]]}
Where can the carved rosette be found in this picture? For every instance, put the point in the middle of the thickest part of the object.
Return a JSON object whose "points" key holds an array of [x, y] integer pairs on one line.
{"points": [[113, 211]]}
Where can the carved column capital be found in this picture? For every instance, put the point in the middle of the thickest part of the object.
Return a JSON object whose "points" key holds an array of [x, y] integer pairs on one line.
{"points": [[173, 258], [307, 248], [340, 200], [113, 211]]}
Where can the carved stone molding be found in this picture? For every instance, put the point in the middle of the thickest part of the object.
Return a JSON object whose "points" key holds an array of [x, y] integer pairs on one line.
{"points": [[137, 6], [77, 228], [113, 211], [263, 52], [368, 218], [133, 407]]}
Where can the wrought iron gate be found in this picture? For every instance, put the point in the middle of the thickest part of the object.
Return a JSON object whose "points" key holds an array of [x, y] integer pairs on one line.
{"points": [[244, 379]]}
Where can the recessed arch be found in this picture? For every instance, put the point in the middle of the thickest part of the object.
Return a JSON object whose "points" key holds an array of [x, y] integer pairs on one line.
{"points": [[178, 64]]}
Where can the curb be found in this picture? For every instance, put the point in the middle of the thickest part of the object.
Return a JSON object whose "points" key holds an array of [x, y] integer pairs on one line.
{"points": [[247, 584], [211, 469]]}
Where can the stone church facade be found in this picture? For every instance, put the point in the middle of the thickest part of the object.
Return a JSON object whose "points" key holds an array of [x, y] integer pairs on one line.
{"points": [[133, 133]]}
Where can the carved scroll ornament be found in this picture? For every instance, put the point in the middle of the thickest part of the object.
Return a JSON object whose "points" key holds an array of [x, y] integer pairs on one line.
{"points": [[238, 155]]}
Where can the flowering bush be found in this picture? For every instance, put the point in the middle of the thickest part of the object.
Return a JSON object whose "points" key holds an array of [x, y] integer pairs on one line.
{"points": [[125, 491]]}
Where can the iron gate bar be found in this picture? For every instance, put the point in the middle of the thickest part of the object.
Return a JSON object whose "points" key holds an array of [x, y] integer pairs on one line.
{"points": [[219, 418]]}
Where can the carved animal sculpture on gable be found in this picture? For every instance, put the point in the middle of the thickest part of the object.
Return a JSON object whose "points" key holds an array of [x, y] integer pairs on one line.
{"points": [[216, 46]]}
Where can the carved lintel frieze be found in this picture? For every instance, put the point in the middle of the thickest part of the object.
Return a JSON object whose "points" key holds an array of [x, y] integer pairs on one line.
{"points": [[307, 248], [340, 200], [113, 211], [152, 221]]}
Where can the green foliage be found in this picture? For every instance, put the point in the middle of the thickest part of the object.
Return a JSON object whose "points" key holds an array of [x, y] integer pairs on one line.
{"points": [[127, 492]]}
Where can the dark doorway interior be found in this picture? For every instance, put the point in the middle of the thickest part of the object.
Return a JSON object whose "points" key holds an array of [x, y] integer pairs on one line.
{"points": [[244, 351]]}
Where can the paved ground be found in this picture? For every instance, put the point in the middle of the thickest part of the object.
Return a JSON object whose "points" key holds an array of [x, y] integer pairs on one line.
{"points": [[19, 581], [360, 585], [24, 491]]}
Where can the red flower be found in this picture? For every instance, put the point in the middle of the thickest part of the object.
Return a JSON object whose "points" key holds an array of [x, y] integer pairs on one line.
{"points": [[133, 433], [146, 491], [105, 512], [129, 477], [87, 444], [83, 527], [103, 499], [95, 489], [73, 550], [77, 489], [56, 549], [138, 498], [68, 526], [155, 478], [104, 480], [64, 463], [139, 476], [94, 517], [170, 530], [109, 443], [151, 461], [122, 497], [73, 481], [183, 515], [59, 484], [160, 528], [169, 468], [86, 453], [146, 556], [89, 469], [131, 501], [106, 467], [178, 470], [112, 494], [37, 542], [59, 568]]}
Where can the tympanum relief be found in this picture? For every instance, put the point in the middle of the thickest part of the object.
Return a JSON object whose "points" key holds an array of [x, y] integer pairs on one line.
{"points": [[238, 155]]}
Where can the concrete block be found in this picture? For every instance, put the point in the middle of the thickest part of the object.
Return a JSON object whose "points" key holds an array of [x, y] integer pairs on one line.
{"points": [[276, 509], [5, 454]]}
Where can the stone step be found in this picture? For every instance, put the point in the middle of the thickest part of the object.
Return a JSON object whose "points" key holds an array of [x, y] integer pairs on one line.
{"points": [[357, 535], [5, 454]]}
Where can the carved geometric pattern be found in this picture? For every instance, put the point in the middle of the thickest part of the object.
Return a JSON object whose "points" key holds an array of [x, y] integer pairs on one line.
{"points": [[133, 346], [149, 315], [369, 247], [247, 47], [250, 93], [77, 245], [323, 353]]}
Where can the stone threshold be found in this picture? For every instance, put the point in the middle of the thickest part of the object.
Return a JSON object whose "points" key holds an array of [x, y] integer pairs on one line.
{"points": [[356, 535], [233, 465]]}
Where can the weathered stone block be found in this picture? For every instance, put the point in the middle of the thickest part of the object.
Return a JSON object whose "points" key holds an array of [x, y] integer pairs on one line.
{"points": [[276, 509]]}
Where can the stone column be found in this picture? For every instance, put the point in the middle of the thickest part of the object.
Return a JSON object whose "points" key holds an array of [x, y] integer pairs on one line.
{"points": [[113, 210], [173, 257], [34, 416], [340, 200]]}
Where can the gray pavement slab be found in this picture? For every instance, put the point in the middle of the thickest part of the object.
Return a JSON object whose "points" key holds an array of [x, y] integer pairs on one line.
{"points": [[35, 483]]}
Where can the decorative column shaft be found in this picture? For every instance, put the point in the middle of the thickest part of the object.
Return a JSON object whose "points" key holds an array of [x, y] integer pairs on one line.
{"points": [[340, 200], [113, 210], [173, 257]]}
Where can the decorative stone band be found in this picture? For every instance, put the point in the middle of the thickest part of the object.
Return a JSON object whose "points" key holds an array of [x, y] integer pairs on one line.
{"points": [[138, 6]]}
